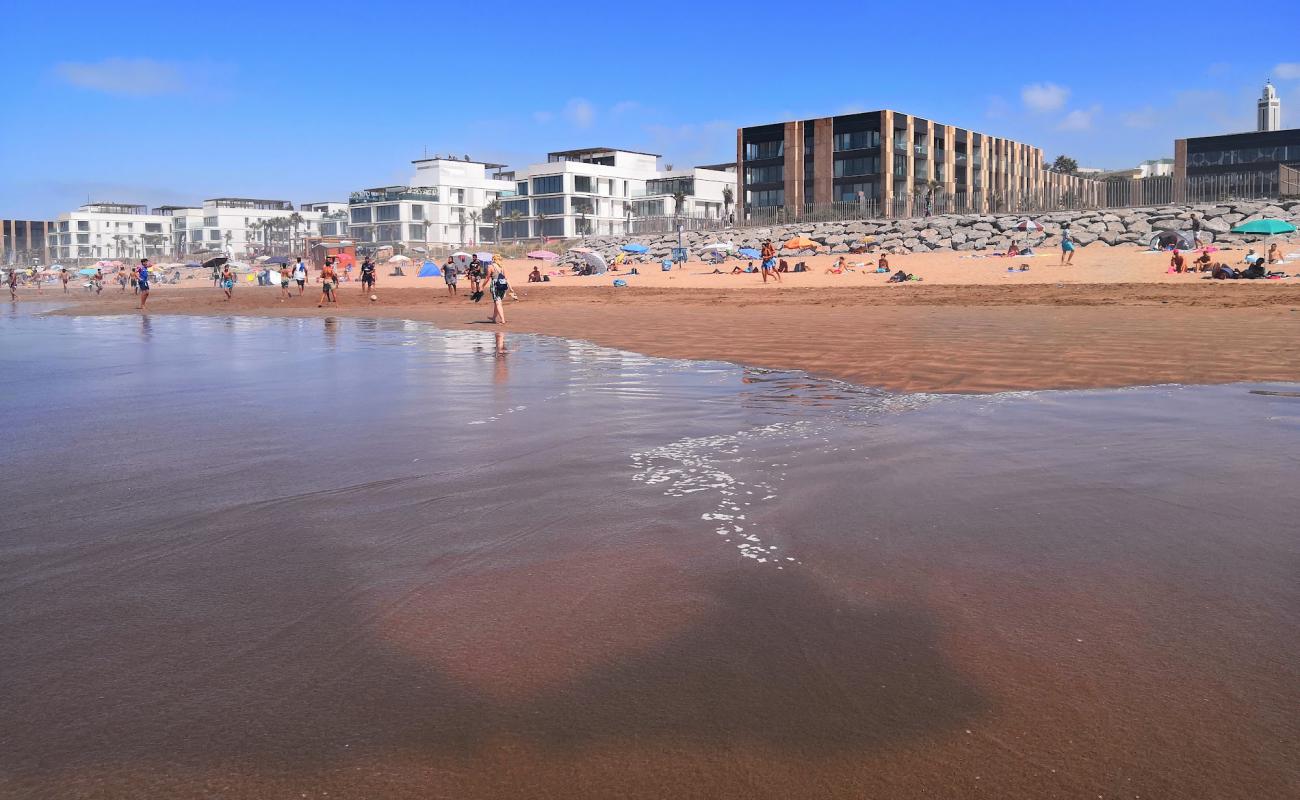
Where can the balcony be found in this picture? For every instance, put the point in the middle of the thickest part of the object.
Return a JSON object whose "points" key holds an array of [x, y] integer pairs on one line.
{"points": [[392, 194]]}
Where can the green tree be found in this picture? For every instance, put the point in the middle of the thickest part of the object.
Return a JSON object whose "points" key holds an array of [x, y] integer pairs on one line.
{"points": [[728, 197], [679, 202], [1065, 165]]}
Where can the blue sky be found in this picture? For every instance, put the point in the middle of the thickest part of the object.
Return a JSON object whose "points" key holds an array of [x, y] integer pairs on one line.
{"points": [[165, 102]]}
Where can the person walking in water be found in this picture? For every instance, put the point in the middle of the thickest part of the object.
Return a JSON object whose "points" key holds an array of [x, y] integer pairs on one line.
{"points": [[1067, 245], [63, 276], [13, 284], [227, 282], [142, 281], [98, 281], [498, 285]]}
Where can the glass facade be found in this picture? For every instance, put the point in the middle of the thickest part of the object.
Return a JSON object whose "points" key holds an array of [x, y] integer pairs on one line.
{"points": [[519, 207], [360, 215], [1244, 155], [767, 199], [857, 140], [848, 192], [757, 150], [548, 205], [582, 183], [772, 174], [549, 184], [848, 167], [388, 213]]}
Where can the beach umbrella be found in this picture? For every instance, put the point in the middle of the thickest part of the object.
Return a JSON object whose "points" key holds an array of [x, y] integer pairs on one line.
{"points": [[461, 258], [216, 261], [277, 260], [544, 255], [597, 262], [400, 259], [748, 252], [725, 247], [581, 250], [635, 248], [801, 243], [429, 269], [1268, 227], [1028, 225], [420, 249]]}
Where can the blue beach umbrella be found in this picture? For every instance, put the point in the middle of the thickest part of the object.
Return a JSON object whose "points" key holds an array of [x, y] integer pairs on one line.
{"points": [[749, 252], [635, 248]]}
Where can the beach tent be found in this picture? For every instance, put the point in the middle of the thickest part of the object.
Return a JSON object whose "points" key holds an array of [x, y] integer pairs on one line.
{"points": [[460, 258], [749, 252], [597, 262], [1171, 238], [273, 277], [1267, 227], [429, 270], [544, 255], [635, 248]]}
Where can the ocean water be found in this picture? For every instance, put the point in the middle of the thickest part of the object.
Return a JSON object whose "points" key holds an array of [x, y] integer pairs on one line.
{"points": [[257, 557]]}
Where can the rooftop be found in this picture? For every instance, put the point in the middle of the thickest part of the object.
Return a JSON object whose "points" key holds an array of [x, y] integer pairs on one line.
{"points": [[250, 203], [591, 151], [465, 160], [115, 208], [729, 166]]}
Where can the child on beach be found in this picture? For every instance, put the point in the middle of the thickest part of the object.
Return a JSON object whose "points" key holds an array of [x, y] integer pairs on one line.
{"points": [[63, 276], [227, 282], [1067, 245]]}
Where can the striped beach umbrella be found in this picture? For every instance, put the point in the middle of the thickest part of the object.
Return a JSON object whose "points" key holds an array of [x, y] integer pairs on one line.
{"points": [[1028, 225]]}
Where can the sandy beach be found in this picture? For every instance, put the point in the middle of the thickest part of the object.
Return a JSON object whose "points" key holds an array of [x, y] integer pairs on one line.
{"points": [[1116, 317]]}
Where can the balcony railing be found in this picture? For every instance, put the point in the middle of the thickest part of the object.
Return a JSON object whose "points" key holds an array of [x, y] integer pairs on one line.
{"points": [[357, 198]]}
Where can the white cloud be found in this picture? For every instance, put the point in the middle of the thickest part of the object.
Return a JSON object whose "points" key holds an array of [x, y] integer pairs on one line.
{"points": [[580, 113], [1078, 119], [1289, 70], [543, 117], [131, 77], [1042, 97], [998, 107], [625, 106], [708, 142], [1145, 117]]}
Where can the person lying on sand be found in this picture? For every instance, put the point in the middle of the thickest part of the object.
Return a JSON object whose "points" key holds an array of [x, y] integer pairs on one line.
{"points": [[736, 270]]}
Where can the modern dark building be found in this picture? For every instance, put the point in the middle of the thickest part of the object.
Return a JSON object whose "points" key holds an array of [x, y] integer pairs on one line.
{"points": [[884, 156], [1255, 156], [25, 241]]}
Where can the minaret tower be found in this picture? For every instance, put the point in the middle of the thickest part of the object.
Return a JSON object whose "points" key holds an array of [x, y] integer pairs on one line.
{"points": [[1270, 109]]}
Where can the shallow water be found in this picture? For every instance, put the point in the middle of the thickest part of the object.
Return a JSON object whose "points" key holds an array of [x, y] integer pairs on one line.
{"points": [[371, 558]]}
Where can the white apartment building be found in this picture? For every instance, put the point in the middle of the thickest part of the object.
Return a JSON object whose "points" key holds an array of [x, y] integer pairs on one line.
{"points": [[111, 230], [239, 227], [600, 191], [448, 202], [242, 227]]}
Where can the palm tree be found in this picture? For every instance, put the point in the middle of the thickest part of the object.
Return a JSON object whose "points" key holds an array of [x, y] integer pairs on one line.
{"points": [[427, 223], [514, 218], [728, 197], [474, 217], [295, 221], [228, 237], [541, 219], [117, 245], [679, 202], [493, 210], [460, 222]]}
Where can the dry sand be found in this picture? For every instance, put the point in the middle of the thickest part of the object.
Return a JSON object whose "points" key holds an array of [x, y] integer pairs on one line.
{"points": [[1114, 318]]}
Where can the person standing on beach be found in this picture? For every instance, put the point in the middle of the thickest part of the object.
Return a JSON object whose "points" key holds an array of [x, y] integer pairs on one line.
{"points": [[121, 279], [63, 276], [1067, 245], [300, 275], [475, 275], [13, 284], [134, 278], [367, 275], [449, 275], [98, 281], [227, 282], [328, 279], [1196, 231], [142, 281]]}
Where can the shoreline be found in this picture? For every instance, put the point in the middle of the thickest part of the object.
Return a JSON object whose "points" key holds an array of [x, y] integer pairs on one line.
{"points": [[912, 338]]}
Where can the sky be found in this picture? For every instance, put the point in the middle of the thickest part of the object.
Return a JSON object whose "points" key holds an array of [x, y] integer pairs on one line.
{"points": [[159, 103]]}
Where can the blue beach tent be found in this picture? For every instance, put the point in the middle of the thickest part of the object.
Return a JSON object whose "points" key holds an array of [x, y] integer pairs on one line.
{"points": [[749, 252], [429, 270], [635, 248]]}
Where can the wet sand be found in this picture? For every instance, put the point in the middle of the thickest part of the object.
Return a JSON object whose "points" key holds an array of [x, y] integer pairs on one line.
{"points": [[358, 558], [978, 338]]}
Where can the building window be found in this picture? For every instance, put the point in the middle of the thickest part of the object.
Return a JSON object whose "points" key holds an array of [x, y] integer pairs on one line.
{"points": [[582, 183], [83, 238], [671, 186], [550, 184], [416, 232], [417, 212], [519, 207], [848, 192], [548, 205], [63, 227], [514, 230], [552, 227], [648, 208], [329, 229], [521, 188], [856, 140], [772, 174], [83, 226], [757, 150], [214, 235], [900, 165], [387, 213], [767, 199], [360, 215], [867, 165], [210, 222], [457, 196], [583, 205]]}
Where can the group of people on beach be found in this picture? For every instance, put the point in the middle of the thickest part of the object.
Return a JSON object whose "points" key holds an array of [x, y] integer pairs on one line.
{"points": [[488, 278]]}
